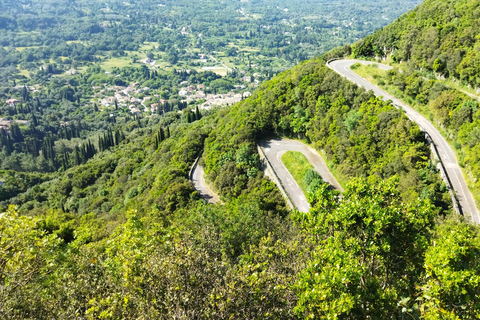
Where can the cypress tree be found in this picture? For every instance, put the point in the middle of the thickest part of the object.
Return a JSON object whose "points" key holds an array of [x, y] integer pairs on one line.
{"points": [[101, 146], [48, 151], [15, 132], [34, 120], [76, 156], [162, 134], [25, 95], [5, 141], [83, 153], [198, 116], [65, 161]]}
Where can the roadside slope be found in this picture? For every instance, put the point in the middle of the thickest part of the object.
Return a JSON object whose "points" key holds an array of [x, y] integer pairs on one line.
{"points": [[449, 159]]}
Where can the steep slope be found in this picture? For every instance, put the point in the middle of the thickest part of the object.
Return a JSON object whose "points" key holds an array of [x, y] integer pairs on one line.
{"points": [[461, 196], [130, 225], [360, 135], [126, 236]]}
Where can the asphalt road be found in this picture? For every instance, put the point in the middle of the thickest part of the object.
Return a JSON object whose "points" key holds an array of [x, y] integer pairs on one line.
{"points": [[274, 149], [202, 187], [449, 159]]}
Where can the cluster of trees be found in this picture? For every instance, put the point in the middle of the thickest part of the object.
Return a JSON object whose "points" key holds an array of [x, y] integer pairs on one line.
{"points": [[376, 256], [367, 254], [450, 109], [110, 139]]}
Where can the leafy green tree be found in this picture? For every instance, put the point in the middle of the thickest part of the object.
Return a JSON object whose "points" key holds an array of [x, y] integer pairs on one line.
{"points": [[369, 251], [452, 281], [26, 254]]}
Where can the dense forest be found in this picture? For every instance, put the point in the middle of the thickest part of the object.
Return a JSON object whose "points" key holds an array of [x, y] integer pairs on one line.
{"points": [[95, 168], [440, 36]]}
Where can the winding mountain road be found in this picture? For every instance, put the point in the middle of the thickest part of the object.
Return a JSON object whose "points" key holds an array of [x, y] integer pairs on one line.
{"points": [[464, 196], [201, 186], [274, 149]]}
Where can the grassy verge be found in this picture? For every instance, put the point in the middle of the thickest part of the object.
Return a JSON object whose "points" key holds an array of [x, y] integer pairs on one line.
{"points": [[341, 179], [298, 166], [454, 84]]}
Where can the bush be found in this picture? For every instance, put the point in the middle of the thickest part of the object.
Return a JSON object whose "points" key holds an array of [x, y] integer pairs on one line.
{"points": [[355, 66], [310, 176]]}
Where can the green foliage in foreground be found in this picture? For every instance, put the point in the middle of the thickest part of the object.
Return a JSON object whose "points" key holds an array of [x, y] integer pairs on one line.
{"points": [[301, 170], [378, 241], [367, 254], [377, 257]]}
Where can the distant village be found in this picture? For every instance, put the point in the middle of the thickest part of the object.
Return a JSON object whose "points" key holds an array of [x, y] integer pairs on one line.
{"points": [[126, 96], [138, 100], [129, 96]]}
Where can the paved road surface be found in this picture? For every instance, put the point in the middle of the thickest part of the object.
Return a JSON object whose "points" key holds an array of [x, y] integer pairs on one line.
{"points": [[202, 187], [446, 153], [274, 149], [470, 95]]}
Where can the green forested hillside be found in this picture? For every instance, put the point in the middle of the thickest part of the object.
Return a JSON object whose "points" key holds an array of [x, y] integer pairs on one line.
{"points": [[438, 35], [126, 236], [437, 40], [123, 234], [361, 135]]}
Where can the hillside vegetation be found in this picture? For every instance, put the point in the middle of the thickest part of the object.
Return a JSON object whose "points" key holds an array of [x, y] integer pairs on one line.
{"points": [[438, 35], [114, 229], [140, 243], [360, 134], [438, 39]]}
